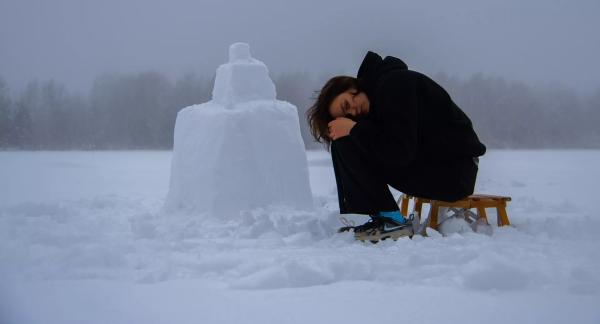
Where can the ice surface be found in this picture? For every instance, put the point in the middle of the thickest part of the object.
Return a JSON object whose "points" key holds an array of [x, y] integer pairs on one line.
{"points": [[102, 251], [240, 151]]}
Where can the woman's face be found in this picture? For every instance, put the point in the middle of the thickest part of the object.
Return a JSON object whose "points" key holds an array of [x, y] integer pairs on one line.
{"points": [[351, 104]]}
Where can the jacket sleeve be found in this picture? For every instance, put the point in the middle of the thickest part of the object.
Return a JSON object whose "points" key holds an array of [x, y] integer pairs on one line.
{"points": [[391, 138]]}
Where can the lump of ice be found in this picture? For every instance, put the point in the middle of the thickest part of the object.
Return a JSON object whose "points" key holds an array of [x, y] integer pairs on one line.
{"points": [[240, 151], [454, 225]]}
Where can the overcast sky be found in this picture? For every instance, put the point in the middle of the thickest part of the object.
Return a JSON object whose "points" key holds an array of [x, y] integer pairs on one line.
{"points": [[74, 41]]}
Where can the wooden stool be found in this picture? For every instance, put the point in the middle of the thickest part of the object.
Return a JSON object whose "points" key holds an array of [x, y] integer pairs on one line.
{"points": [[480, 202]]}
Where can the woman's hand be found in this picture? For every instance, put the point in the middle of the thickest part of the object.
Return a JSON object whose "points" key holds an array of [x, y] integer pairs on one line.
{"points": [[340, 127]]}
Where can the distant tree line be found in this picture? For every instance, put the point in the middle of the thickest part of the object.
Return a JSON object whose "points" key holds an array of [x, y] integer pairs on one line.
{"points": [[138, 111], [120, 112], [515, 115]]}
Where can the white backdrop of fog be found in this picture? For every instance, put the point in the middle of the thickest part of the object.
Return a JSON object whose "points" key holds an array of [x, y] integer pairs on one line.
{"points": [[74, 41]]}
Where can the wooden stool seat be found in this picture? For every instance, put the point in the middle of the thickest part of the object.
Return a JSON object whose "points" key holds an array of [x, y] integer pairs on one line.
{"points": [[477, 201]]}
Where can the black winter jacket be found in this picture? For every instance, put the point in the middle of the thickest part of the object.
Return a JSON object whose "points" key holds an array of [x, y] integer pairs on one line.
{"points": [[411, 117]]}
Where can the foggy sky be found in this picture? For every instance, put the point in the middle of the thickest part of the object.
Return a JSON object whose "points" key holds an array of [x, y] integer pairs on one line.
{"points": [[74, 41]]}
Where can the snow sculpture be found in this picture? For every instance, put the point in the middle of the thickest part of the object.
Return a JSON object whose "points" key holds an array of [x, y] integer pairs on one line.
{"points": [[242, 149], [242, 79]]}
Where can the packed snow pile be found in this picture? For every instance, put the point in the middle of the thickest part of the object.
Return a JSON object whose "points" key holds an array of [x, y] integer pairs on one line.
{"points": [[240, 151], [242, 79]]}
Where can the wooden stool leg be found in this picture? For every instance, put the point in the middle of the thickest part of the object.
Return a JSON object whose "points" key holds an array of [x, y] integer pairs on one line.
{"points": [[502, 216], [481, 213], [434, 215], [418, 206], [404, 205]]}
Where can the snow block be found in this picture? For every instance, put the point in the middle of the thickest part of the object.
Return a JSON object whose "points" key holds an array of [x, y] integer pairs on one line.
{"points": [[240, 151], [242, 79]]}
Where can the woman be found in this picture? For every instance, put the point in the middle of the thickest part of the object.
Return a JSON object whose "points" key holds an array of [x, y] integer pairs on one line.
{"points": [[393, 126]]}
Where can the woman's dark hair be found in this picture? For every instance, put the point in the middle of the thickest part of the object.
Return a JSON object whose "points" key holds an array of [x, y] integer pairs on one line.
{"points": [[318, 115]]}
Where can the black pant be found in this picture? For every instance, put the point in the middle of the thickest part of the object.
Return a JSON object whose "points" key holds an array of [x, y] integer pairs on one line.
{"points": [[362, 182]]}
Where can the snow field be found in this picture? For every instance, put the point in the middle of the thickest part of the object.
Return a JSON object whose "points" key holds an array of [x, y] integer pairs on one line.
{"points": [[270, 250], [83, 238]]}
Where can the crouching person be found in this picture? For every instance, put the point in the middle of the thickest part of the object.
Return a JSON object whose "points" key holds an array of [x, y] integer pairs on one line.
{"points": [[397, 127]]}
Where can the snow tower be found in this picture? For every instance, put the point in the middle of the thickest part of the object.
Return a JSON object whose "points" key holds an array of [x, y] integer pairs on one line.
{"points": [[242, 149]]}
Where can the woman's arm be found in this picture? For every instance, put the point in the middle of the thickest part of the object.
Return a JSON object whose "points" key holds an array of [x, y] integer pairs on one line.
{"points": [[392, 137]]}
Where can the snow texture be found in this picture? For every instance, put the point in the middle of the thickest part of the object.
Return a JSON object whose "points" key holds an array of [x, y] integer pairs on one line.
{"points": [[240, 151], [83, 239]]}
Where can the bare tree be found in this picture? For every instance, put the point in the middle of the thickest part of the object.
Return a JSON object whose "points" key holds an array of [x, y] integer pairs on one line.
{"points": [[22, 130], [5, 115]]}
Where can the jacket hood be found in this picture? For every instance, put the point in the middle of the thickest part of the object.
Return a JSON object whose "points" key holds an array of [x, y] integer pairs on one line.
{"points": [[373, 67]]}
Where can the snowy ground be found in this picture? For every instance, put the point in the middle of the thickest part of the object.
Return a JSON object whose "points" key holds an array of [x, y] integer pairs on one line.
{"points": [[83, 240]]}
